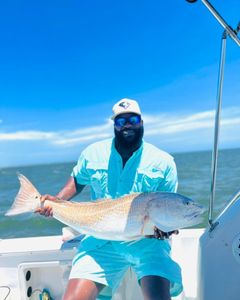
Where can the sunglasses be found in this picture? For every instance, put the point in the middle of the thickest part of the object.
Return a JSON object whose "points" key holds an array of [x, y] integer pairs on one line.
{"points": [[133, 120]]}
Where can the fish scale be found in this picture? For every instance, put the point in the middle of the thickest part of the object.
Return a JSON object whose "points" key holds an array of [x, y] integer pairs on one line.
{"points": [[101, 214]]}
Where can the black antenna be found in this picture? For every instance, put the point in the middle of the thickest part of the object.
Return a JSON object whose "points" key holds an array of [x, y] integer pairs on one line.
{"points": [[233, 33]]}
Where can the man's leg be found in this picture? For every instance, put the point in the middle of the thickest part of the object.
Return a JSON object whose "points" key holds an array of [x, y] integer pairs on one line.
{"points": [[155, 288], [82, 289]]}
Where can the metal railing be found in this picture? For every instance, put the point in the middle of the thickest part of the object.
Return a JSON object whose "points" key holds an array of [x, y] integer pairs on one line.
{"points": [[228, 31], [230, 203], [232, 33], [217, 127]]}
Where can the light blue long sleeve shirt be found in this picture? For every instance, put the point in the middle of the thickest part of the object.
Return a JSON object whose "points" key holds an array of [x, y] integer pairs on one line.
{"points": [[148, 170]]}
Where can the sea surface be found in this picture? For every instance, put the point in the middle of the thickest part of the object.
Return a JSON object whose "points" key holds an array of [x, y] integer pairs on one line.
{"points": [[194, 173]]}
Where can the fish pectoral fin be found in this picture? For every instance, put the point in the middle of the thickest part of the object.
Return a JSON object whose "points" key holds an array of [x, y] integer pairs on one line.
{"points": [[69, 233], [161, 221], [164, 228]]}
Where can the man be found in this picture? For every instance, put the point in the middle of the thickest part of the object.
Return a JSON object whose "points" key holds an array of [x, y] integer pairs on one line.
{"points": [[113, 168]]}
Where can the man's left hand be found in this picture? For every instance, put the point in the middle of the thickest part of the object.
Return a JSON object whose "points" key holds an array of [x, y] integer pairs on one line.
{"points": [[161, 235]]}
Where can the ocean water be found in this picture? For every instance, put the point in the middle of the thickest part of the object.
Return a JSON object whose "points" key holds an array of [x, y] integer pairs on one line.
{"points": [[194, 173]]}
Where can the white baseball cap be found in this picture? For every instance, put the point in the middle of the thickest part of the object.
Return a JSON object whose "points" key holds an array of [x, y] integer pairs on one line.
{"points": [[125, 106]]}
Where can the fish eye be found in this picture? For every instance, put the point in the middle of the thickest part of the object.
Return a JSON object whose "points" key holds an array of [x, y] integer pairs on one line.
{"points": [[187, 202]]}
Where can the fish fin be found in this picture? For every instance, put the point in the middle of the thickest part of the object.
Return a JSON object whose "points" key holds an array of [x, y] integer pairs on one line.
{"points": [[162, 227], [162, 222], [27, 199], [68, 233]]}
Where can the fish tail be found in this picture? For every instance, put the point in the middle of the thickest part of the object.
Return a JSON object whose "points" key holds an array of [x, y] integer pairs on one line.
{"points": [[27, 199]]}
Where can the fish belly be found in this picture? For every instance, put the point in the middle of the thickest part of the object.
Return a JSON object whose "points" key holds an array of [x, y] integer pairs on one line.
{"points": [[111, 227], [111, 220], [116, 228]]}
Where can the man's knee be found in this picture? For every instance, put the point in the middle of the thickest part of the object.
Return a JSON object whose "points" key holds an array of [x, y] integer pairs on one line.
{"points": [[82, 289], [155, 288]]}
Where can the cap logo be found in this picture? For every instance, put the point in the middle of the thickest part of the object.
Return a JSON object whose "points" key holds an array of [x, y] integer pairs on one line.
{"points": [[124, 104]]}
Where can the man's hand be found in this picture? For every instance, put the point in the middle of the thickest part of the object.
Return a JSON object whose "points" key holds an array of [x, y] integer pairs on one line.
{"points": [[161, 235], [71, 189], [46, 210]]}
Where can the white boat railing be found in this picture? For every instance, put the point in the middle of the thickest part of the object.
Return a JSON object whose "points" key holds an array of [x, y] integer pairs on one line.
{"points": [[230, 203]]}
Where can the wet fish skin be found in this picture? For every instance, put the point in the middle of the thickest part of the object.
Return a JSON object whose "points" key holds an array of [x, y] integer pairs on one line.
{"points": [[127, 218]]}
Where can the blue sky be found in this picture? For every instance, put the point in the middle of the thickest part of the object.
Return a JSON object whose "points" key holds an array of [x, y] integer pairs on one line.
{"points": [[65, 63]]}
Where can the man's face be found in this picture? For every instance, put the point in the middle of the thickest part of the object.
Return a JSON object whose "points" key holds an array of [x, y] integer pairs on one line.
{"points": [[128, 129]]}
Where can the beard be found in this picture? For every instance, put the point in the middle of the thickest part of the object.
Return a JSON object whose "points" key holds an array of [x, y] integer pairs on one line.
{"points": [[130, 138]]}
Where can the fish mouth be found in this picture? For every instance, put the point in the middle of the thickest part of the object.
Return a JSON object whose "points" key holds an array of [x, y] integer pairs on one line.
{"points": [[196, 214], [193, 215]]}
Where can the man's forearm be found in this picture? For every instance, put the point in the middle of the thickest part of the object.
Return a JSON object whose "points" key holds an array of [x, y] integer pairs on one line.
{"points": [[71, 189]]}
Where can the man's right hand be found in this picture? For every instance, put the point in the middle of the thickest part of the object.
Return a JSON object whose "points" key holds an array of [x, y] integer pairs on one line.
{"points": [[70, 189], [46, 210]]}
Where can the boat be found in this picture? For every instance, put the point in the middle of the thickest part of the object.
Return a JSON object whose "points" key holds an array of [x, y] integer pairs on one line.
{"points": [[28, 266], [209, 257]]}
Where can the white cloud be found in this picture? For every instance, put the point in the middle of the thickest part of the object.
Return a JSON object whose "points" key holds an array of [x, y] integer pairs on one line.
{"points": [[90, 130], [77, 140], [179, 123], [27, 135], [61, 137], [160, 125], [173, 124], [69, 138]]}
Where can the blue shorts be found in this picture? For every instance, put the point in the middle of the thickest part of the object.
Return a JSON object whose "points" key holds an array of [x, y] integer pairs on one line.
{"points": [[108, 263]]}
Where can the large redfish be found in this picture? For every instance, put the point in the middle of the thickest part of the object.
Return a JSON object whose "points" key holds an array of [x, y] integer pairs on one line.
{"points": [[127, 218]]}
